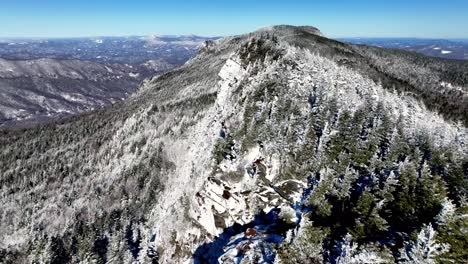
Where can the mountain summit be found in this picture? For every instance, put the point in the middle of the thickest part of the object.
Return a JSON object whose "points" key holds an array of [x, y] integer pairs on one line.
{"points": [[287, 29], [278, 146]]}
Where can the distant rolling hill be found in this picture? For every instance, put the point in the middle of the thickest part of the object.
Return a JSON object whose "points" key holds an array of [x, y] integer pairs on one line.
{"points": [[33, 91], [450, 49]]}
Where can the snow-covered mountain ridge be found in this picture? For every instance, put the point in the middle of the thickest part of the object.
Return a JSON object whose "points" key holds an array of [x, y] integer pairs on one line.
{"points": [[33, 91], [279, 146]]}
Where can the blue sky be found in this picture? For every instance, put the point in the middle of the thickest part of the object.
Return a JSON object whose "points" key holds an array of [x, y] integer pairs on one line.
{"points": [[336, 18]]}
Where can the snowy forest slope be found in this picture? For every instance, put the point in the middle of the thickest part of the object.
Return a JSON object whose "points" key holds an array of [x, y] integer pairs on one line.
{"points": [[276, 146]]}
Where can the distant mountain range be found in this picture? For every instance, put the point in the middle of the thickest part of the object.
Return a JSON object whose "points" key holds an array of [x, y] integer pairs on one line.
{"points": [[45, 79], [450, 49], [138, 49]]}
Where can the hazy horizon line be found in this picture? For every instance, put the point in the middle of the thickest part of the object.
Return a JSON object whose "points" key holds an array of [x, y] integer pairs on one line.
{"points": [[7, 38]]}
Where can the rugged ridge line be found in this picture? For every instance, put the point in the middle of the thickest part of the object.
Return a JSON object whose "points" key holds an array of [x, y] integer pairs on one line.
{"points": [[277, 146]]}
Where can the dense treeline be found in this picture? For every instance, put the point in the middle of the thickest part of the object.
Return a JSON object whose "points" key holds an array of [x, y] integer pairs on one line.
{"points": [[442, 84]]}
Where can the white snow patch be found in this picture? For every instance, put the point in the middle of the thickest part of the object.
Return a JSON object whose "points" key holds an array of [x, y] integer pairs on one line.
{"points": [[134, 75]]}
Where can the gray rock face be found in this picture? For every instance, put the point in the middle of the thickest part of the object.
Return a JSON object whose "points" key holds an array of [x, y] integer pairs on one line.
{"points": [[279, 146]]}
